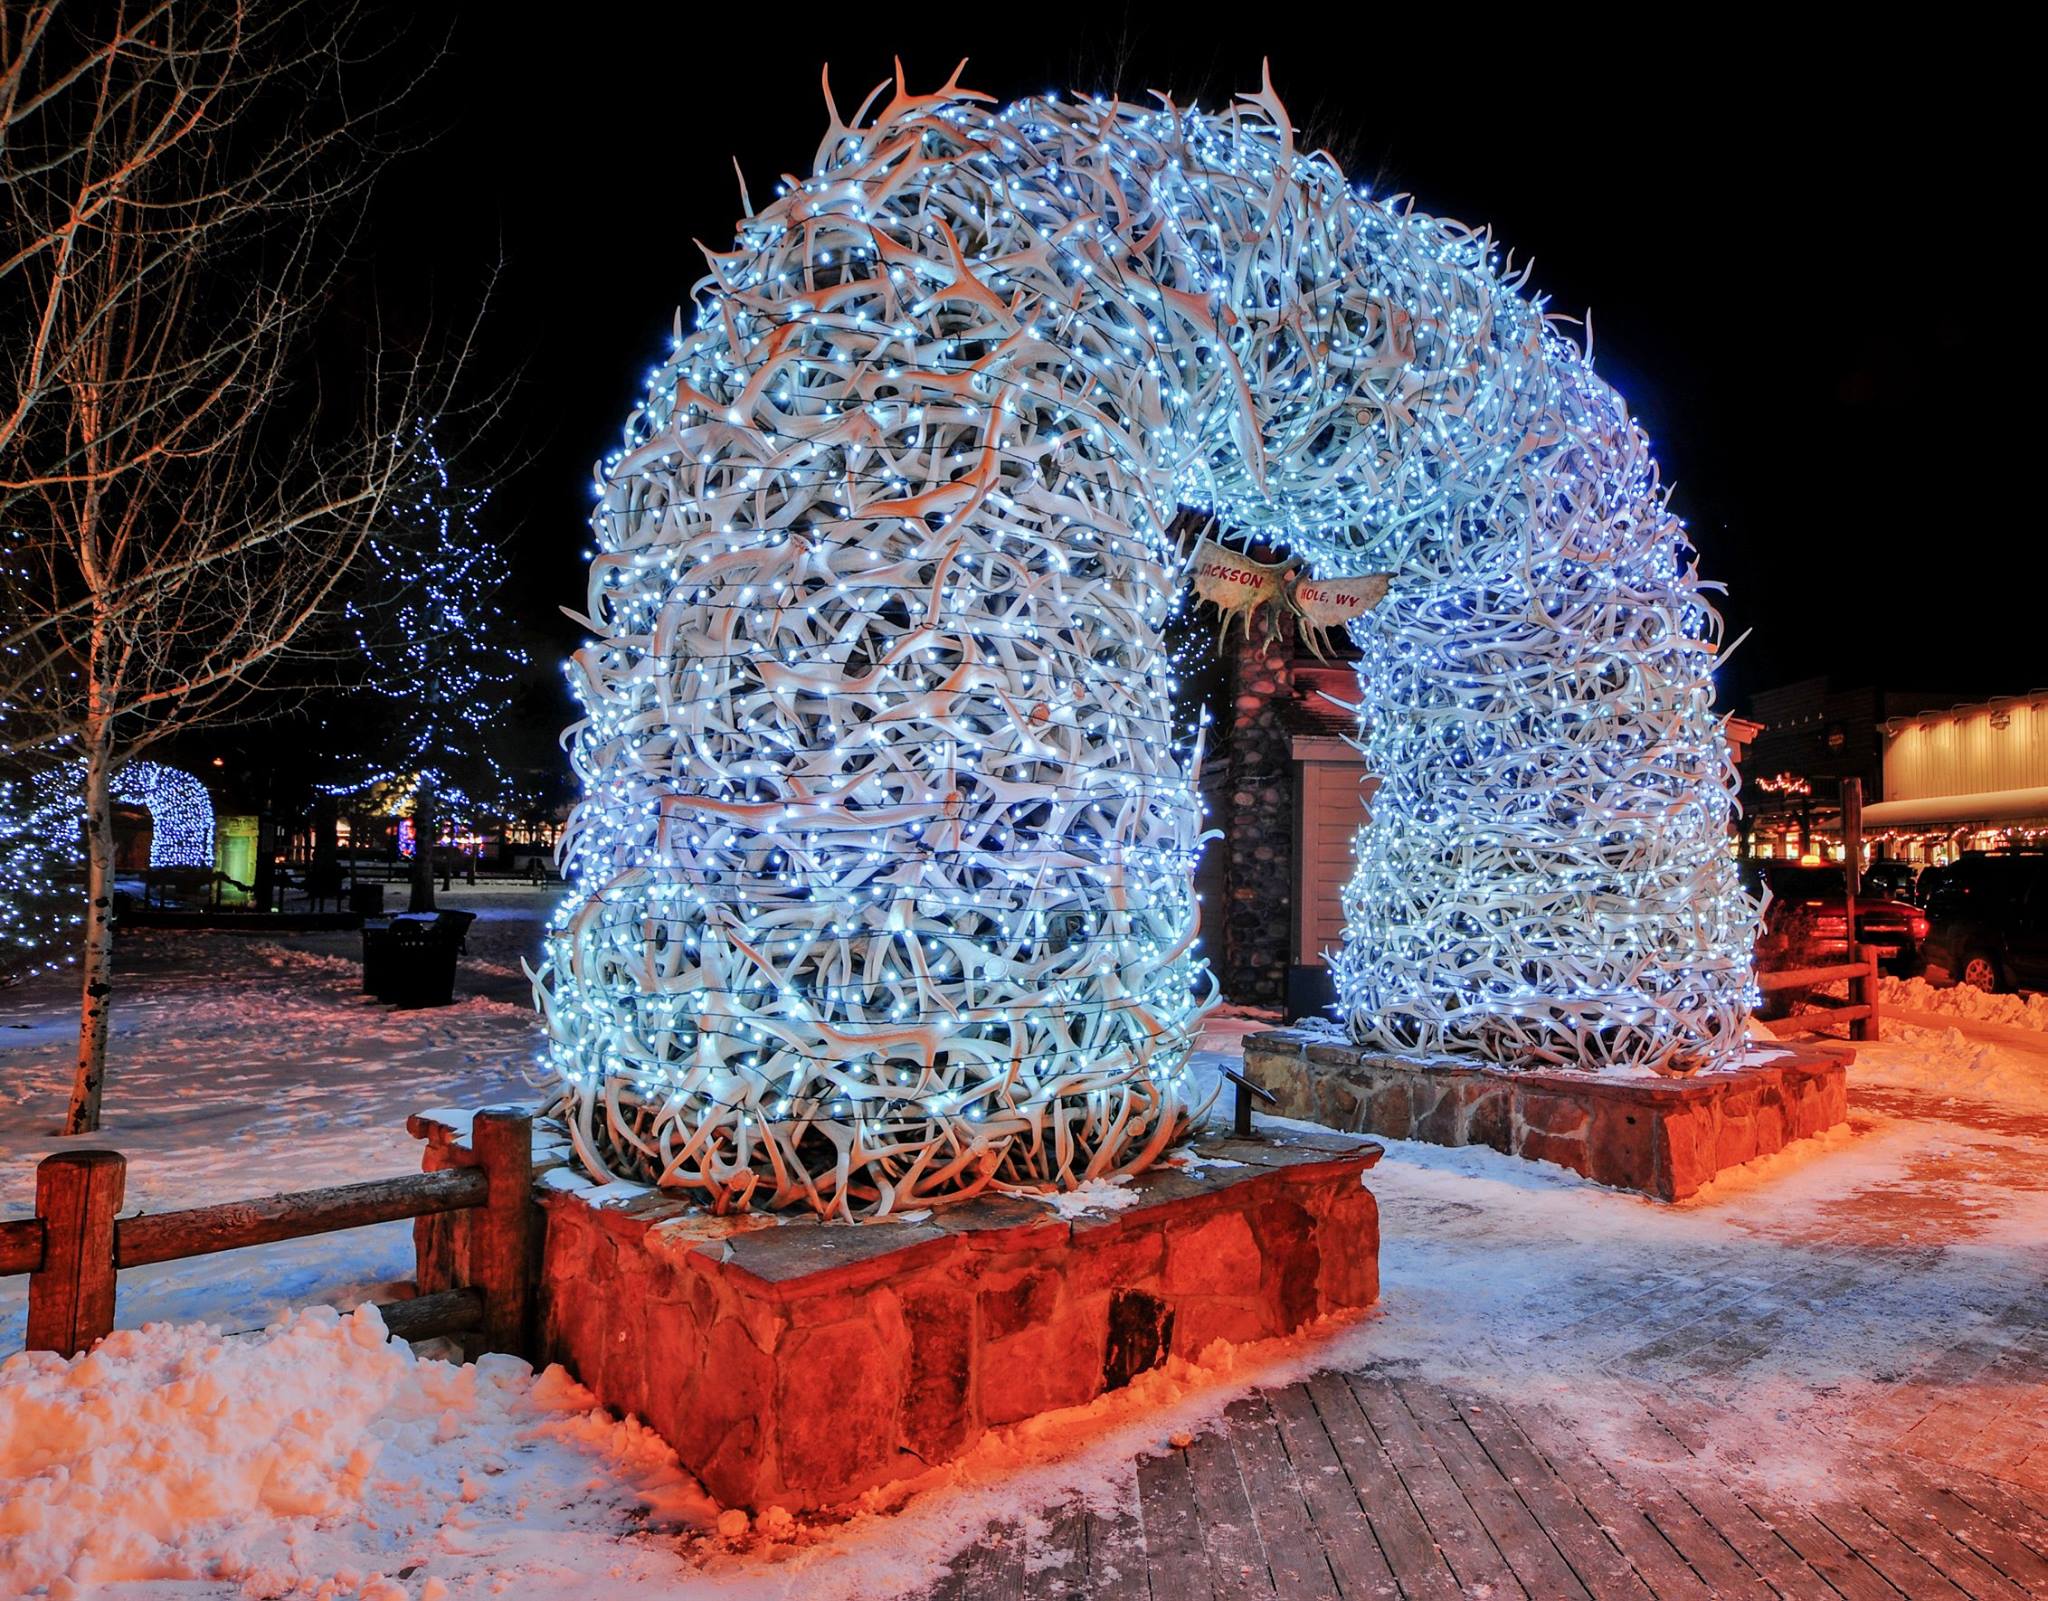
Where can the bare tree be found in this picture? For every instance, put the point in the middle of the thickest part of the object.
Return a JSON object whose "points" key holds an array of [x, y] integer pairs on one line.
{"points": [[179, 503]]}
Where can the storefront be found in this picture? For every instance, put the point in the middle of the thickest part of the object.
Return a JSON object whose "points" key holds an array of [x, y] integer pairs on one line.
{"points": [[1972, 778]]}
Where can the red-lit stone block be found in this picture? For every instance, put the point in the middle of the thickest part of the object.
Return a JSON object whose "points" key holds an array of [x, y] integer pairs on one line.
{"points": [[796, 1363], [1664, 1137]]}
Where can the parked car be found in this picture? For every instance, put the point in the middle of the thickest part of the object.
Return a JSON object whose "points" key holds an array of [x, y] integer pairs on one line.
{"points": [[1806, 922], [1892, 881], [1990, 921]]}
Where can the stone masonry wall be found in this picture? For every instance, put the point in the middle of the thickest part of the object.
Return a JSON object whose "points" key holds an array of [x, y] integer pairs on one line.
{"points": [[796, 1363], [1665, 1138], [1258, 825]]}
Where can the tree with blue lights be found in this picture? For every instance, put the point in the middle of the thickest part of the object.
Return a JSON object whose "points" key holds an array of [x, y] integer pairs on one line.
{"points": [[439, 654], [42, 864]]}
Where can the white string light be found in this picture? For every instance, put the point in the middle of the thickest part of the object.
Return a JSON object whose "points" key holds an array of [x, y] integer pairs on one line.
{"points": [[881, 880], [437, 649], [42, 854], [42, 861]]}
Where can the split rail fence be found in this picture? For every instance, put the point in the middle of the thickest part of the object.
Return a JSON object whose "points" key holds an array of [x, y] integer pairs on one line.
{"points": [[1859, 1012], [75, 1246]]}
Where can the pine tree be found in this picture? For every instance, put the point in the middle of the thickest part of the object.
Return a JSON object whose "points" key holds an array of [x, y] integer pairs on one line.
{"points": [[439, 655], [42, 869]]}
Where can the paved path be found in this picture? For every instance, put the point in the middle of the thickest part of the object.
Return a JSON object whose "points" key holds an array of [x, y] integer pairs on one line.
{"points": [[1887, 1326]]}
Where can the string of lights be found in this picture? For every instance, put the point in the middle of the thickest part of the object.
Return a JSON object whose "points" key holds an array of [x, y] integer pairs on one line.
{"points": [[438, 648], [42, 855], [42, 862]]}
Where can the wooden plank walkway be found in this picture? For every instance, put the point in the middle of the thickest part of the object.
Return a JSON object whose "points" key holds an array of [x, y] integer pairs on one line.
{"points": [[1668, 1386], [1376, 1484]]}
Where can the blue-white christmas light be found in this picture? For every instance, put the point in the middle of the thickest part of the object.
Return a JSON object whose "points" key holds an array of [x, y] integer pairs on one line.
{"points": [[42, 861], [437, 648]]}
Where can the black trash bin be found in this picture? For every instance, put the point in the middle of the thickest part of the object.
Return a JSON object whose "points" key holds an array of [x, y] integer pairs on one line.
{"points": [[424, 946], [378, 965], [366, 900]]}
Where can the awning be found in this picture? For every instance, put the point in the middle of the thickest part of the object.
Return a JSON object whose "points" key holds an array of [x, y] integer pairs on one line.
{"points": [[1986, 806]]}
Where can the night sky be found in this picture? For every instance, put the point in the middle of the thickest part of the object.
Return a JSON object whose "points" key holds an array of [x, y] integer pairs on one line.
{"points": [[1803, 260]]}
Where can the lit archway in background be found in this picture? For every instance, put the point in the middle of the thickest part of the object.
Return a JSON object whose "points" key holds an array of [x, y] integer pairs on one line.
{"points": [[180, 812], [881, 881]]}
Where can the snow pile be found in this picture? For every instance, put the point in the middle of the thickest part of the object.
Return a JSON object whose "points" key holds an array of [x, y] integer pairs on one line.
{"points": [[1947, 1062], [286, 958], [315, 1451], [1965, 1000]]}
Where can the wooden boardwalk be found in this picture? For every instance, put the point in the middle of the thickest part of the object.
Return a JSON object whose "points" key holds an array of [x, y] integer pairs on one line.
{"points": [[1898, 1323], [1369, 1484]]}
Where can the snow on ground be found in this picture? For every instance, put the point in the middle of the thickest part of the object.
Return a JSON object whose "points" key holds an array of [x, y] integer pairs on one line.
{"points": [[1965, 1000], [1948, 1062], [242, 1066], [316, 1460], [171, 1454]]}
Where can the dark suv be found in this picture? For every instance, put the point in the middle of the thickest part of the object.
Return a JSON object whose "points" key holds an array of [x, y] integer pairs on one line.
{"points": [[1807, 923], [1892, 881], [1989, 916]]}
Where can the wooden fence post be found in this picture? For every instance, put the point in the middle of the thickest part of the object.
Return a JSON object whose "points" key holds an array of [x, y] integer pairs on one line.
{"points": [[71, 1296], [1864, 993], [501, 1232]]}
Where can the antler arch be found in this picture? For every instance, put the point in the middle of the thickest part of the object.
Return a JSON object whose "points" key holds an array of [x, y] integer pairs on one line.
{"points": [[883, 868]]}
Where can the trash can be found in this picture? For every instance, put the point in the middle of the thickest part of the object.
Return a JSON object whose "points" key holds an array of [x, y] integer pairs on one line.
{"points": [[366, 900], [424, 946], [378, 962]]}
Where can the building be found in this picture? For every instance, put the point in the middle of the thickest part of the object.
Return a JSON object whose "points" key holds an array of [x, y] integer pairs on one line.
{"points": [[1811, 735], [1971, 777]]}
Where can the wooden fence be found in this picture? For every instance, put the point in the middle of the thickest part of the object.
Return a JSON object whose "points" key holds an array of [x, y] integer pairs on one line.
{"points": [[75, 1246], [1859, 1012]]}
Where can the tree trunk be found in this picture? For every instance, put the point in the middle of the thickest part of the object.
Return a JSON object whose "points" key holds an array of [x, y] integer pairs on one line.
{"points": [[325, 868], [424, 827], [97, 955]]}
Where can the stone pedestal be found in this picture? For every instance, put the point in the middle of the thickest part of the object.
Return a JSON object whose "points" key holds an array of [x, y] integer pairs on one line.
{"points": [[1664, 1137], [1258, 822], [797, 1363]]}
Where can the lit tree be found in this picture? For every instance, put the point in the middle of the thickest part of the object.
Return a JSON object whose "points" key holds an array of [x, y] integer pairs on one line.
{"points": [[175, 512], [439, 653], [41, 860]]}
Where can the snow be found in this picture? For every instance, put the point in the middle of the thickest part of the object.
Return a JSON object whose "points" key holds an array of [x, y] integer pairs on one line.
{"points": [[240, 1067], [316, 1459], [1090, 1199], [2028, 1011], [1949, 1063], [171, 1453]]}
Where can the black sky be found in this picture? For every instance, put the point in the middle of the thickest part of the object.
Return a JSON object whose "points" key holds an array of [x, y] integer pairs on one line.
{"points": [[1806, 260]]}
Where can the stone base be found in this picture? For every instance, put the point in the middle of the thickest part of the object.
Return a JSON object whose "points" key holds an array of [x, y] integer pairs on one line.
{"points": [[796, 1363], [1663, 1137]]}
